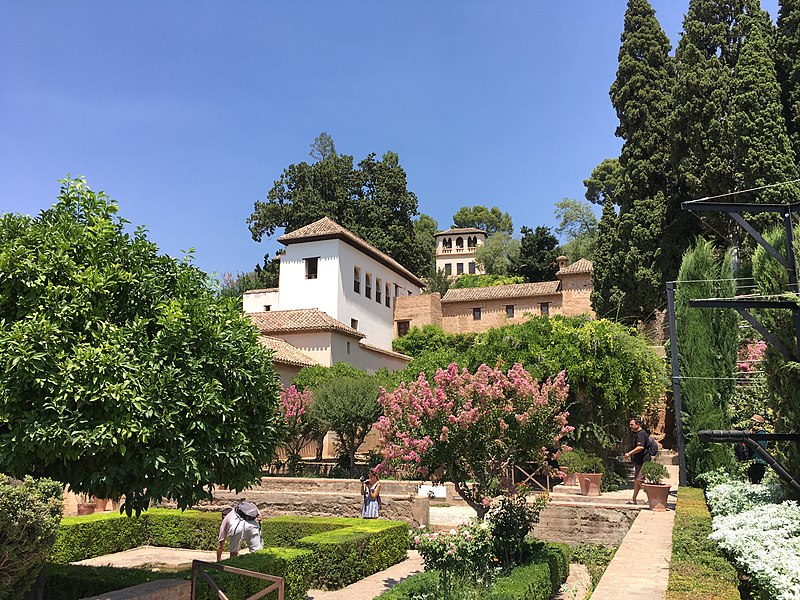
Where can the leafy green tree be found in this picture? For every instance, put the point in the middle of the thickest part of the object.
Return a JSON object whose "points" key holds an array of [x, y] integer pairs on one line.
{"points": [[349, 407], [371, 199], [788, 66], [602, 183], [707, 348], [538, 249], [234, 286], [491, 220], [322, 148], [425, 228], [498, 254], [471, 281], [122, 371], [431, 338], [438, 282], [578, 225]]}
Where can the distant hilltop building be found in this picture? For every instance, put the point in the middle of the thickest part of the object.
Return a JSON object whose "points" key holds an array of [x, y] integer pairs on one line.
{"points": [[455, 251], [472, 310]]}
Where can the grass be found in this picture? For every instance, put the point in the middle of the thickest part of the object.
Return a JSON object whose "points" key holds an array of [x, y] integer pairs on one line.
{"points": [[698, 571]]}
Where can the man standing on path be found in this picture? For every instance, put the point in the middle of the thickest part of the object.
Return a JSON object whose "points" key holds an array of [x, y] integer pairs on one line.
{"points": [[638, 456]]}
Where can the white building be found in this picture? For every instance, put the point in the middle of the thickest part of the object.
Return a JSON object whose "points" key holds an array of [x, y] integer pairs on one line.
{"points": [[455, 251], [335, 299]]}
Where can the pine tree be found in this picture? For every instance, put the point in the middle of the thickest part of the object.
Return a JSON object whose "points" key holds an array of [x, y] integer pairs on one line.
{"points": [[788, 64], [642, 97]]}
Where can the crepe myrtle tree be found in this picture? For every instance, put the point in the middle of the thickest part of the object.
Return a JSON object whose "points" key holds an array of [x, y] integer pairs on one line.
{"points": [[302, 427], [471, 429], [122, 370]]}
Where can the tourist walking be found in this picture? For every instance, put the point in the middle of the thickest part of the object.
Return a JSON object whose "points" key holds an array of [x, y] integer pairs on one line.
{"points": [[242, 522], [371, 489], [637, 455], [757, 467]]}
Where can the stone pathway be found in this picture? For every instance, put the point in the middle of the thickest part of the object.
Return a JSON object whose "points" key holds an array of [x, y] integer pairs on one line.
{"points": [[376, 584], [578, 583], [155, 557]]}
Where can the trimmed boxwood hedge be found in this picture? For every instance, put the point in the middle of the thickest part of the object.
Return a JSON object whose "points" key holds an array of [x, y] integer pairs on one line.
{"points": [[69, 582]]}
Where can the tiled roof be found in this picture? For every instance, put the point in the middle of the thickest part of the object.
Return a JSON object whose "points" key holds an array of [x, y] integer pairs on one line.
{"points": [[391, 353], [460, 230], [306, 319], [328, 229], [283, 352], [578, 267], [495, 292]]}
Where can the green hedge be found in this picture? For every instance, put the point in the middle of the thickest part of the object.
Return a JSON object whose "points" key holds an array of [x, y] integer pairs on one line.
{"points": [[421, 585], [70, 582], [557, 558], [526, 582]]}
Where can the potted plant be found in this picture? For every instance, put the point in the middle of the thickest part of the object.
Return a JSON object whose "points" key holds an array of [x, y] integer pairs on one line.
{"points": [[590, 475], [657, 491], [569, 463]]}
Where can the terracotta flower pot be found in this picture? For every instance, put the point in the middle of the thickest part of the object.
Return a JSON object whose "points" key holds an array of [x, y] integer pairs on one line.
{"points": [[571, 478], [590, 483], [86, 508], [657, 495]]}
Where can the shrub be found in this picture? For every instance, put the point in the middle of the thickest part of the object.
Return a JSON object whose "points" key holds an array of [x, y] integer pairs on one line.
{"points": [[421, 585], [736, 497], [511, 520], [556, 555], [654, 473], [29, 513], [67, 582], [595, 557], [525, 582]]}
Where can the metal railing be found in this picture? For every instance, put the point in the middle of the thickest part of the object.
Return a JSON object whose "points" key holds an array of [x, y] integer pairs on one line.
{"points": [[199, 569]]}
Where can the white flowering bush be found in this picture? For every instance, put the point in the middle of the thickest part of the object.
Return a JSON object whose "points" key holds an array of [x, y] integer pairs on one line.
{"points": [[765, 542], [737, 496]]}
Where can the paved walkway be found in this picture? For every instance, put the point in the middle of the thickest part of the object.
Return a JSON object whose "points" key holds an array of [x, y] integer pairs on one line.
{"points": [[376, 584]]}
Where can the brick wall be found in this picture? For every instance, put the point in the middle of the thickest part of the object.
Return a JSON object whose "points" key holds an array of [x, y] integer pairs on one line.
{"points": [[457, 317], [576, 291], [424, 309]]}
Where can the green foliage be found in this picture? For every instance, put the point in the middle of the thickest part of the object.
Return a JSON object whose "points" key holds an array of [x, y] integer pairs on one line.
{"points": [[707, 347], [537, 255], [313, 377], [787, 59], [491, 220], [479, 281], [438, 282], [425, 228], [69, 582], [417, 587], [608, 291], [595, 557], [370, 199], [526, 582], [556, 555], [577, 224], [348, 406], [430, 338], [498, 254], [579, 461], [697, 569], [654, 472], [122, 371], [601, 186], [234, 286], [511, 520], [30, 510]]}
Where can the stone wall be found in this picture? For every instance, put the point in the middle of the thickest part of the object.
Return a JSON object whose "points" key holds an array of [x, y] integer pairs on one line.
{"points": [[576, 291], [457, 316], [420, 310], [580, 523]]}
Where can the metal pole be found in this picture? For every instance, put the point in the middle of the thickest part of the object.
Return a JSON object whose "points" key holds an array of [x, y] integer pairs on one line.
{"points": [[676, 382], [788, 226]]}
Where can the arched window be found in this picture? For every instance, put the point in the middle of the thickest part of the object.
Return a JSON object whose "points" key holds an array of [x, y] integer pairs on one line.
{"points": [[472, 241], [460, 243]]}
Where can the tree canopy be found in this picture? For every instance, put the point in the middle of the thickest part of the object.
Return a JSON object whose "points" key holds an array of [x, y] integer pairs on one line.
{"points": [[491, 220], [370, 198], [498, 254], [577, 223], [122, 371], [538, 250]]}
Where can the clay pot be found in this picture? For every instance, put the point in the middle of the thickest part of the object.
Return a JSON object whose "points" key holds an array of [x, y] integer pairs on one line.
{"points": [[590, 483], [86, 508], [656, 496], [571, 478]]}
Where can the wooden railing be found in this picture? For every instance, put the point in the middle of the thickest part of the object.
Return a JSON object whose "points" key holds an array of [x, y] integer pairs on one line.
{"points": [[199, 570]]}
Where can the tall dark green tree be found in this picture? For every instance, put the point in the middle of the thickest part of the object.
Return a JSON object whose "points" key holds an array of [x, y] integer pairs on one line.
{"points": [[371, 199], [788, 67], [607, 293], [537, 255], [642, 98], [707, 343], [425, 228], [491, 220]]}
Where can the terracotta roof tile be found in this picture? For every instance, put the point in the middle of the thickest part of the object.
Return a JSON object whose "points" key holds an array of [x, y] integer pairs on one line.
{"points": [[327, 229], [495, 292], [391, 353], [283, 352], [306, 319], [578, 267]]}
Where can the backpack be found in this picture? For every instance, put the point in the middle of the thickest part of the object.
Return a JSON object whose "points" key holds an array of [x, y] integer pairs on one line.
{"points": [[742, 452], [651, 447], [246, 510]]}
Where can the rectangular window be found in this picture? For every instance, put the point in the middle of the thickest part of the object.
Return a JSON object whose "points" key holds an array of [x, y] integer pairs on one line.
{"points": [[544, 307], [267, 307], [510, 311], [356, 280], [354, 323], [459, 268], [448, 269], [311, 267], [348, 347], [378, 289], [388, 299], [402, 328], [368, 285], [472, 268], [476, 314]]}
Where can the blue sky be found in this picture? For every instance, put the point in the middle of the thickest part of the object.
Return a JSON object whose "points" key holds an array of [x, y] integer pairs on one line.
{"points": [[187, 112]]}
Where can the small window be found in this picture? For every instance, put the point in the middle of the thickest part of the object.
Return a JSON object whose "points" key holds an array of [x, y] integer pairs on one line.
{"points": [[356, 280], [354, 323], [378, 289], [510, 311], [388, 300], [448, 269], [472, 268], [267, 307], [476, 314], [409, 293], [402, 328], [544, 307], [368, 286], [460, 243], [459, 268], [311, 267], [348, 347]]}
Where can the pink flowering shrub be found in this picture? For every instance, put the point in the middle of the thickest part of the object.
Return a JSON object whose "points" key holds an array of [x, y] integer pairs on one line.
{"points": [[472, 428], [750, 355], [301, 428]]}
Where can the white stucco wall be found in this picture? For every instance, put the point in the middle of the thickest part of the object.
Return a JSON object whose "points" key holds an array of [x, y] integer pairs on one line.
{"points": [[316, 344], [298, 292], [257, 301]]}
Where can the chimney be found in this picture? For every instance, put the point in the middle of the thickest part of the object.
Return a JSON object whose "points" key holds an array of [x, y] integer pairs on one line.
{"points": [[562, 261]]}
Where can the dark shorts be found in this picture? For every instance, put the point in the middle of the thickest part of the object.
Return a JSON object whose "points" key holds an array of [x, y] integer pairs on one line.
{"points": [[637, 473]]}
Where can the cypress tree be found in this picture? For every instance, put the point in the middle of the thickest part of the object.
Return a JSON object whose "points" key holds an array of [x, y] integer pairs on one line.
{"points": [[788, 66], [607, 296], [642, 98]]}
